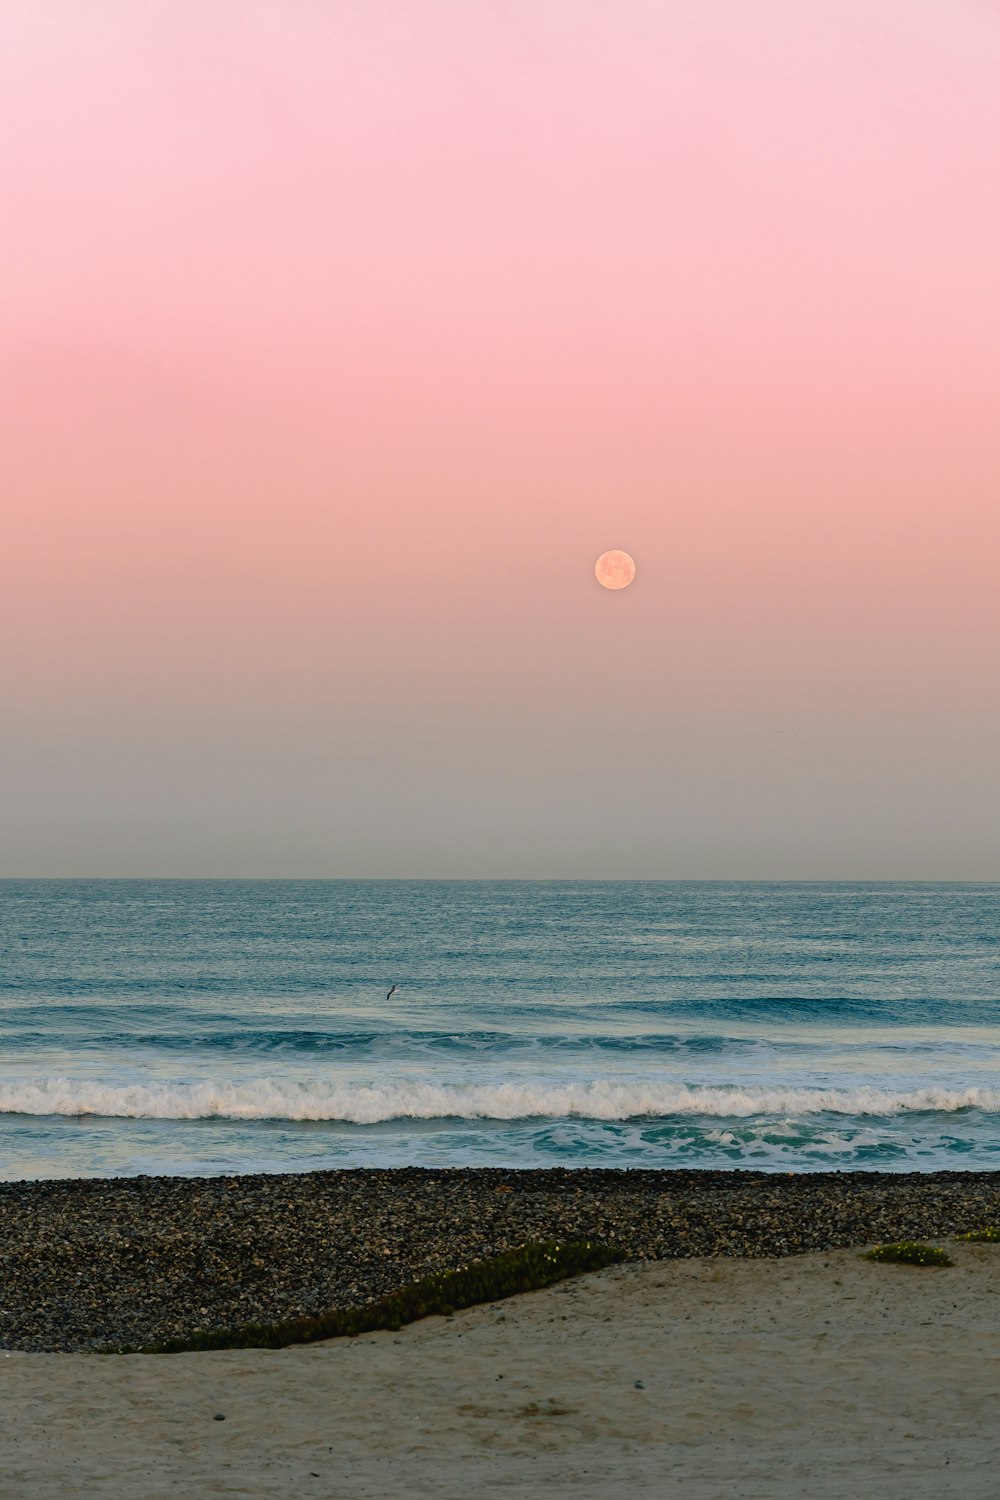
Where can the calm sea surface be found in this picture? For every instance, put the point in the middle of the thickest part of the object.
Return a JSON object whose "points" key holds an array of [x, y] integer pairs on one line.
{"points": [[204, 1027]]}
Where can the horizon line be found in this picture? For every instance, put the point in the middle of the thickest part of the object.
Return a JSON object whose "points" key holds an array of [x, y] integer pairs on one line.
{"points": [[518, 879]]}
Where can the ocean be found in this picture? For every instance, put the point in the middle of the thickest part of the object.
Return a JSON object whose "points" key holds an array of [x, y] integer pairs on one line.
{"points": [[203, 1027]]}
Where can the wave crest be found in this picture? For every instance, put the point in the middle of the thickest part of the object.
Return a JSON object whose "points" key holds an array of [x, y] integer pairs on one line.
{"points": [[370, 1104]]}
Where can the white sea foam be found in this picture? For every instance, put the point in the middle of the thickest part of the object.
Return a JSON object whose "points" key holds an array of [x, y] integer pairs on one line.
{"points": [[368, 1104]]}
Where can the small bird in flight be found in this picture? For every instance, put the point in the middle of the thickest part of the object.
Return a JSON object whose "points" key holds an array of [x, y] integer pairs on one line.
{"points": [[391, 992]]}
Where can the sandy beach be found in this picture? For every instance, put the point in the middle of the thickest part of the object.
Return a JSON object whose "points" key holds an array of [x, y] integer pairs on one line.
{"points": [[820, 1374]]}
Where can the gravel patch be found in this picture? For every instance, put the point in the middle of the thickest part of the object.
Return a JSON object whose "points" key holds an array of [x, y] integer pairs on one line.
{"points": [[99, 1262]]}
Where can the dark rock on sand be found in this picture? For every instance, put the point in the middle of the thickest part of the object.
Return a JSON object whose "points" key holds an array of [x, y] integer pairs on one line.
{"points": [[98, 1263]]}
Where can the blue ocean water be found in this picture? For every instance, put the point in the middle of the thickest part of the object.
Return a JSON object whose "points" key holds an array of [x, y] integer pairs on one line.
{"points": [[230, 1026]]}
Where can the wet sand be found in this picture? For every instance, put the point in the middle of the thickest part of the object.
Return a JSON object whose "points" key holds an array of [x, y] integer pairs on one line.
{"points": [[819, 1375]]}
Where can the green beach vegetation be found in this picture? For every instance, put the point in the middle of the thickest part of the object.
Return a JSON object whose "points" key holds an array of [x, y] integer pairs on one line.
{"points": [[523, 1270], [910, 1253], [989, 1236]]}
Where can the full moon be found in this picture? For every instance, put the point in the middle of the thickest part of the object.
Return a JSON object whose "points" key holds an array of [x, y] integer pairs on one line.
{"points": [[615, 570]]}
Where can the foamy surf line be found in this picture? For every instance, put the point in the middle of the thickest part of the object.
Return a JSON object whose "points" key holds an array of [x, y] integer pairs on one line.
{"points": [[264, 1099]]}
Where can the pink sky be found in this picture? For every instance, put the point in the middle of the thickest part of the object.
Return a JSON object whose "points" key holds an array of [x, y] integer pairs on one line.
{"points": [[340, 339]]}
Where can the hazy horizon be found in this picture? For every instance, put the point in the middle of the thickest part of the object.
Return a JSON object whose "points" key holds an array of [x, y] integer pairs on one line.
{"points": [[154, 879]]}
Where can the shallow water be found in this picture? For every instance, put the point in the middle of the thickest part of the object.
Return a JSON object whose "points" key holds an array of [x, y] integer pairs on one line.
{"points": [[202, 1026]]}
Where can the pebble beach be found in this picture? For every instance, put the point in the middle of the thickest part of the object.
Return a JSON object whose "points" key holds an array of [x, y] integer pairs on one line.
{"points": [[97, 1263]]}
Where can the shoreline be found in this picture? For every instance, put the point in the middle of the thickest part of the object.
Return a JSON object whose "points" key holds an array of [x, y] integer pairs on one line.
{"points": [[95, 1262]]}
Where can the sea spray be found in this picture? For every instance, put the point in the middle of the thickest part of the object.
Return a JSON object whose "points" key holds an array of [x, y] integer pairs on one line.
{"points": [[374, 1102]]}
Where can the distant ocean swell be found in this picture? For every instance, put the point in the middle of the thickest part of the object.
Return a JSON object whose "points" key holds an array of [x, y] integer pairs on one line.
{"points": [[399, 1042], [369, 1104]]}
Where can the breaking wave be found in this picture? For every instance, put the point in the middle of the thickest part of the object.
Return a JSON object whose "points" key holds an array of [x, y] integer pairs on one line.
{"points": [[370, 1104]]}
